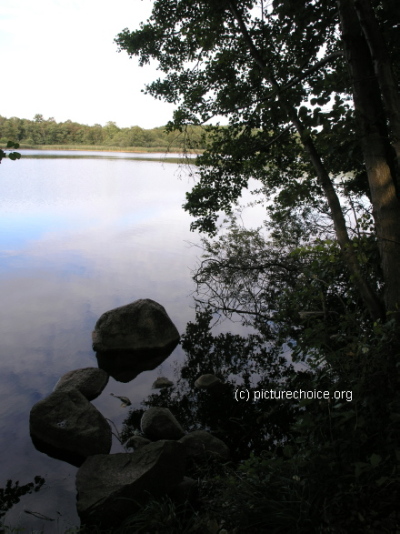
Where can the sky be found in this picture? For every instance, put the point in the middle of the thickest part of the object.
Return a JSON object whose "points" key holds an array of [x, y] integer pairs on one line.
{"points": [[59, 59]]}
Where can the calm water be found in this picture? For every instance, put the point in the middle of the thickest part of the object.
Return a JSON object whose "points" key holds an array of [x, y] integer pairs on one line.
{"points": [[79, 236], [82, 233]]}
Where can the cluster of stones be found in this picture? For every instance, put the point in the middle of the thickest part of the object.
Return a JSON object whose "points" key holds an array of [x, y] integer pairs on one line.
{"points": [[115, 485], [65, 425]]}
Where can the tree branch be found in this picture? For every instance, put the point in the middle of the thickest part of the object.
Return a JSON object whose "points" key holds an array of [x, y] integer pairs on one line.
{"points": [[304, 75], [369, 296]]}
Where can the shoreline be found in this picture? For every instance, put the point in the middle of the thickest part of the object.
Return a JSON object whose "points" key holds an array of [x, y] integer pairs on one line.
{"points": [[97, 148]]}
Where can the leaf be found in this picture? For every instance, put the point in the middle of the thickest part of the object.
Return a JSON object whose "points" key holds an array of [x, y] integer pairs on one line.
{"points": [[360, 468], [375, 460], [382, 481]]}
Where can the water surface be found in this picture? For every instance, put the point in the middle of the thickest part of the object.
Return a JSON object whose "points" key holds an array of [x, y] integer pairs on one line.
{"points": [[79, 236]]}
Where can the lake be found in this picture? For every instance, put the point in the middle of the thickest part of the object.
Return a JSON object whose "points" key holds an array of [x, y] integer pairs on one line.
{"points": [[82, 233]]}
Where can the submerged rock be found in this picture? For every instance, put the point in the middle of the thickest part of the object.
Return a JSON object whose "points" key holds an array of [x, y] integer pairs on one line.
{"points": [[66, 426], [162, 382], [134, 338], [90, 381], [112, 487], [159, 423], [207, 381]]}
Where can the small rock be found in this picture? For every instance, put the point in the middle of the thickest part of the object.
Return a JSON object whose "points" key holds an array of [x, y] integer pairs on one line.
{"points": [[159, 423], [162, 382], [90, 381], [207, 381]]}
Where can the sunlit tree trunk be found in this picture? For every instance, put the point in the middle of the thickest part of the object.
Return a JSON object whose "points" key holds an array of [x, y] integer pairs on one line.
{"points": [[374, 137]]}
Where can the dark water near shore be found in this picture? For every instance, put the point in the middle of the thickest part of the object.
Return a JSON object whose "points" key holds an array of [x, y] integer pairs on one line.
{"points": [[79, 236]]}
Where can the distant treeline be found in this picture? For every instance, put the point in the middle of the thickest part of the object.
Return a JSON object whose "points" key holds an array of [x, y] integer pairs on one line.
{"points": [[40, 132]]}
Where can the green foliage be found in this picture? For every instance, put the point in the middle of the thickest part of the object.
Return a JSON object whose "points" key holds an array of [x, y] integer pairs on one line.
{"points": [[11, 155], [211, 69], [300, 119], [328, 465], [341, 473], [41, 132]]}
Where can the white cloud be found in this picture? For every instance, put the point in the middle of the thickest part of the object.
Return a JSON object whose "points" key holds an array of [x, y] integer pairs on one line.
{"points": [[62, 62]]}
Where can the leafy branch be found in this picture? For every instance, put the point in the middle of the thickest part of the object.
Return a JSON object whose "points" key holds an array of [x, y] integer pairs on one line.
{"points": [[11, 155]]}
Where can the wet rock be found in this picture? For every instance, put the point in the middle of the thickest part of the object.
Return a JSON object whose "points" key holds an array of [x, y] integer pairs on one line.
{"points": [[159, 423], [65, 425], [162, 382], [125, 366], [143, 324], [90, 381], [202, 444], [134, 338], [207, 381], [111, 487], [136, 442]]}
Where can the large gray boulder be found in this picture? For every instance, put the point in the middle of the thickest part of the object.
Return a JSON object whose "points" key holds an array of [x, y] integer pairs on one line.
{"points": [[160, 423], [143, 324], [134, 338], [202, 444], [65, 425], [90, 381], [112, 487]]}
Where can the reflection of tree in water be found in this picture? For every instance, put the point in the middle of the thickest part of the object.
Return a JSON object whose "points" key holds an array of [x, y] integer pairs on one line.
{"points": [[244, 362]]}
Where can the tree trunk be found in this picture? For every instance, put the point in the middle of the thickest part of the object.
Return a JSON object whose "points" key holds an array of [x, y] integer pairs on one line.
{"points": [[384, 73], [371, 120]]}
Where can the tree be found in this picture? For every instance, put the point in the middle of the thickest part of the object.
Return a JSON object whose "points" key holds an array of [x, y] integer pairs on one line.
{"points": [[310, 96], [11, 155]]}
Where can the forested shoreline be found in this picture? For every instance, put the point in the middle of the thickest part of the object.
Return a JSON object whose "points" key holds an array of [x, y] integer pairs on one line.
{"points": [[46, 133]]}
